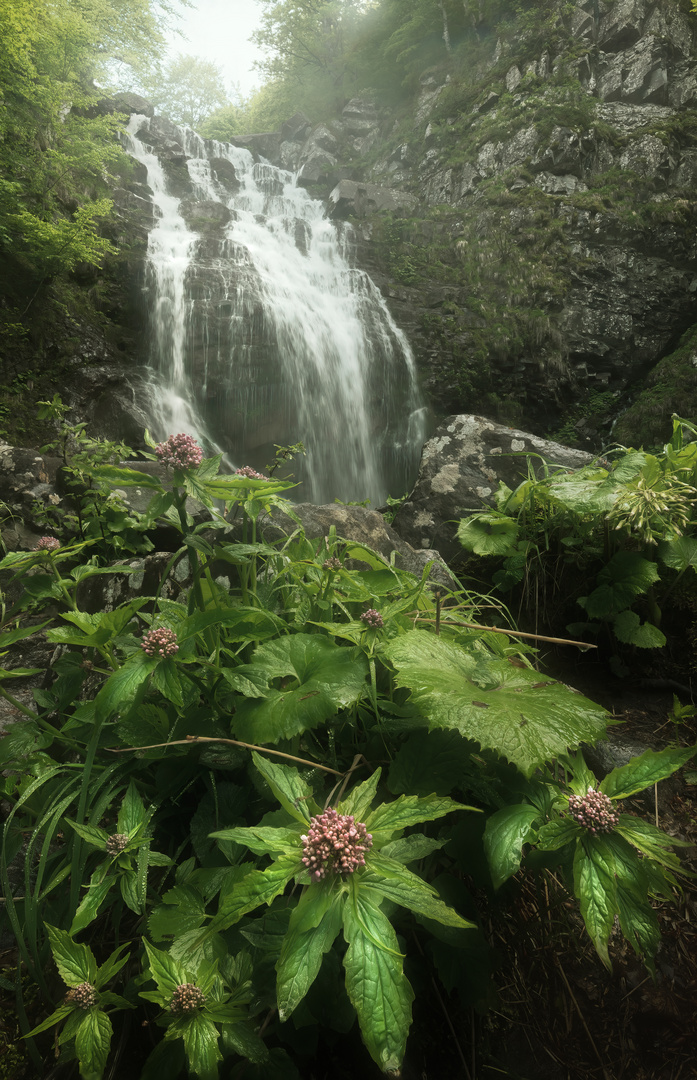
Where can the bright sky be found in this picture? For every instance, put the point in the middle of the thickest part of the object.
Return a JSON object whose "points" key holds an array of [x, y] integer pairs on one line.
{"points": [[218, 30]]}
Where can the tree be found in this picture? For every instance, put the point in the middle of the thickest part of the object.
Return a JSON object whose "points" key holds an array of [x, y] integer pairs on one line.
{"points": [[189, 89]]}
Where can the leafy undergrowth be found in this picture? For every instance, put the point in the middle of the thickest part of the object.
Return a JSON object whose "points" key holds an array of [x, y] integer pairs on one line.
{"points": [[264, 814]]}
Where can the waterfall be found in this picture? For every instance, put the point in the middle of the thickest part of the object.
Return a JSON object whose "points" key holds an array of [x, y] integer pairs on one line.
{"points": [[262, 331]]}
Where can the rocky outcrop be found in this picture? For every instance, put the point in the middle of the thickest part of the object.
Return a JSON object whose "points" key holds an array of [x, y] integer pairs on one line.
{"points": [[461, 468]]}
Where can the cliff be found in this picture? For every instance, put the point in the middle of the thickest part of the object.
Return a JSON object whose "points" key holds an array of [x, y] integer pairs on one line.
{"points": [[530, 215]]}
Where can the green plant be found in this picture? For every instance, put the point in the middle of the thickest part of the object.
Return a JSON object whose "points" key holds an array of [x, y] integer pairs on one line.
{"points": [[621, 522], [138, 814]]}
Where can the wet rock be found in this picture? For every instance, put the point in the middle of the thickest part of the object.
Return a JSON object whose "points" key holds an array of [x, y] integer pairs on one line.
{"points": [[224, 172], [359, 116], [351, 199], [621, 25], [204, 215], [461, 467]]}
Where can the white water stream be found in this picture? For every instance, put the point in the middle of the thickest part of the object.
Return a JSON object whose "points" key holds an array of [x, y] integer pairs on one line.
{"points": [[263, 333]]}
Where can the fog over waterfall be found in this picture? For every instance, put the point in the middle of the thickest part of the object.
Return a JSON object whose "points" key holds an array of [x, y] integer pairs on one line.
{"points": [[262, 332]]}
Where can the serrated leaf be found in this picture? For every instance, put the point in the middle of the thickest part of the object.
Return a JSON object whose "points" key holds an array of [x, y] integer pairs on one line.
{"points": [[242, 623], [294, 795], [650, 841], [132, 812], [89, 906], [526, 719], [259, 887], [111, 966], [320, 678], [625, 577], [504, 835], [120, 689], [555, 834], [314, 925], [241, 1038], [643, 771], [200, 1037], [75, 962], [679, 553], [375, 981], [391, 879], [429, 762], [92, 1043], [183, 909], [167, 973], [595, 889], [629, 628], [61, 1013], [167, 679], [262, 840], [91, 833], [128, 884], [410, 810], [360, 798], [123, 477], [412, 848]]}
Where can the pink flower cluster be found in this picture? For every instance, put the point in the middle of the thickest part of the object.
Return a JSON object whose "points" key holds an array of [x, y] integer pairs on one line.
{"points": [[373, 618], [250, 473], [594, 812], [335, 844], [83, 996], [187, 998], [162, 643], [180, 452], [331, 564], [48, 543]]}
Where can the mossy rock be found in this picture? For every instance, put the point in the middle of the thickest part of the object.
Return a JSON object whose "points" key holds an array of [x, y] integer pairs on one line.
{"points": [[670, 388]]}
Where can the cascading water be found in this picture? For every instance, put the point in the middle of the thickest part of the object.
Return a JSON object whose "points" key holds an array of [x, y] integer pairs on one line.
{"points": [[262, 332]]}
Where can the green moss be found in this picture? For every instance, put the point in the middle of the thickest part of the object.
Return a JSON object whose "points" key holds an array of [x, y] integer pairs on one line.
{"points": [[670, 388]]}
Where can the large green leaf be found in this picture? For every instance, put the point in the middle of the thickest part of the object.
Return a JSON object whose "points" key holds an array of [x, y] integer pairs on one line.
{"points": [[92, 1042], [505, 833], [637, 917], [488, 534], [132, 812], [410, 810], [121, 687], [262, 839], [679, 553], [429, 761], [643, 771], [244, 623], [314, 924], [650, 840], [629, 628], [259, 887], [91, 902], [375, 981], [294, 795], [200, 1037], [319, 678], [182, 909], [391, 879], [123, 477], [167, 973], [524, 717], [75, 962], [359, 799], [595, 888], [625, 577]]}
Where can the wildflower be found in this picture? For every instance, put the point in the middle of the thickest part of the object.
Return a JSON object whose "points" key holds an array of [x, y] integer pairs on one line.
{"points": [[48, 543], [162, 643], [250, 473], [84, 996], [116, 843], [594, 811], [335, 844], [187, 998], [331, 564], [180, 452], [373, 618]]}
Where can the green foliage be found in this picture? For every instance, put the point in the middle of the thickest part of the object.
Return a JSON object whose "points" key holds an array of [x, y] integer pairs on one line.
{"points": [[145, 781], [188, 90], [624, 525]]}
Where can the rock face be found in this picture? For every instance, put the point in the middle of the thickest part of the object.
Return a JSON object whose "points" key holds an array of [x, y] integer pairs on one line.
{"points": [[461, 468], [551, 253]]}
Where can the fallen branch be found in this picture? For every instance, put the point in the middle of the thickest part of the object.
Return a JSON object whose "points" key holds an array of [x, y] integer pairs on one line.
{"points": [[234, 742]]}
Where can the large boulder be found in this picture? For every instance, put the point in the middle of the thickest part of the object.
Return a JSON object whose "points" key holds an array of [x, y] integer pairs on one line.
{"points": [[461, 468], [351, 199]]}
